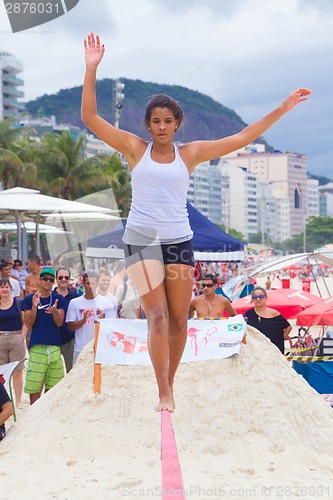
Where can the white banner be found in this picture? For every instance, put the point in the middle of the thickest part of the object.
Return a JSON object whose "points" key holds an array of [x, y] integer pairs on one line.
{"points": [[124, 341]]}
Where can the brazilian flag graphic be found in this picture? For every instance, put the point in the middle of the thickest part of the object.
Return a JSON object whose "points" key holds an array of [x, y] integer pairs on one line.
{"points": [[236, 327]]}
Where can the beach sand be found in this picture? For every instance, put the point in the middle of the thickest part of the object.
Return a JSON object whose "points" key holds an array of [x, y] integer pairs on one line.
{"points": [[245, 427]]}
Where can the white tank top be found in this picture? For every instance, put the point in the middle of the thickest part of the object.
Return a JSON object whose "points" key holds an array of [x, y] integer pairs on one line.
{"points": [[158, 213]]}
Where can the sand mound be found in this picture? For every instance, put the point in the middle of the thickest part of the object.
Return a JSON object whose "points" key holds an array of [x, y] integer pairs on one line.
{"points": [[248, 426]]}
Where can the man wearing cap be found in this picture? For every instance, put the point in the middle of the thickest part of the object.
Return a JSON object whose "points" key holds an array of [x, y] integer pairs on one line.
{"points": [[44, 314]]}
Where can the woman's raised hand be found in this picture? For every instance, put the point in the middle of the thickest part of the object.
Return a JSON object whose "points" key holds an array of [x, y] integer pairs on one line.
{"points": [[297, 96], [93, 49]]}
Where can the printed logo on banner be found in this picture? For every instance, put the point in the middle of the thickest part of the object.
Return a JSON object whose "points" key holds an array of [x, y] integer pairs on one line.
{"points": [[199, 338], [126, 343], [24, 15]]}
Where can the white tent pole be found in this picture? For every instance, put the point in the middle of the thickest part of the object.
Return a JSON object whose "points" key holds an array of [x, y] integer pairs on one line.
{"points": [[18, 233], [24, 244], [321, 274], [37, 234]]}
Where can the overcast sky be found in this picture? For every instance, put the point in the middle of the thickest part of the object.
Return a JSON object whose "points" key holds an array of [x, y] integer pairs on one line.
{"points": [[246, 54]]}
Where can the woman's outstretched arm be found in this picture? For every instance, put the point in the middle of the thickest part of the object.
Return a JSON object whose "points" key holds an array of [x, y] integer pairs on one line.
{"points": [[121, 140], [200, 151]]}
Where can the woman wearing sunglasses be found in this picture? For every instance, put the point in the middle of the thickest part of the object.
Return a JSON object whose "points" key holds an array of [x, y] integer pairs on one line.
{"points": [[267, 320], [12, 343]]}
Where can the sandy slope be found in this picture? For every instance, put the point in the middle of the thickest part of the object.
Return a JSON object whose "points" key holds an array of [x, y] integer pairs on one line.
{"points": [[246, 427]]}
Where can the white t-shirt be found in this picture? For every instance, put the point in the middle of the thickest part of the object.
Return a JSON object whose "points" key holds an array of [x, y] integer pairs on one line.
{"points": [[15, 292], [76, 310], [22, 276], [14, 273]]}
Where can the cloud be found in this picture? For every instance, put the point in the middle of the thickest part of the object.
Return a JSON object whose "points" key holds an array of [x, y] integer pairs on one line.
{"points": [[321, 6], [246, 54], [87, 16], [217, 7]]}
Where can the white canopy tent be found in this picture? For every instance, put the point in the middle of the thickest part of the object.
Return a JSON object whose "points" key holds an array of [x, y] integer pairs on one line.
{"points": [[30, 227], [287, 260], [320, 255], [23, 204], [80, 217]]}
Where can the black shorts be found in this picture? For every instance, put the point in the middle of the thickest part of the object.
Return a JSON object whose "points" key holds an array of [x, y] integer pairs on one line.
{"points": [[173, 253]]}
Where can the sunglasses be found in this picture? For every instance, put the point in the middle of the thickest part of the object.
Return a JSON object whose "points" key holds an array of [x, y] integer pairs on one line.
{"points": [[261, 296], [63, 278], [209, 285], [45, 278]]}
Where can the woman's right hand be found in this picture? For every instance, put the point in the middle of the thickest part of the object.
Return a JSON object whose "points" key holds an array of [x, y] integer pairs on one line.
{"points": [[93, 49]]}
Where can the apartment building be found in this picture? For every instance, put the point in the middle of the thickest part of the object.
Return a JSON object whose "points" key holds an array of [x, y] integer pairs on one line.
{"points": [[313, 208], [242, 208], [10, 85], [326, 200], [205, 191], [286, 174]]}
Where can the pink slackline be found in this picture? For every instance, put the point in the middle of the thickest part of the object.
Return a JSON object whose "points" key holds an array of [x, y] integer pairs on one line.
{"points": [[172, 483]]}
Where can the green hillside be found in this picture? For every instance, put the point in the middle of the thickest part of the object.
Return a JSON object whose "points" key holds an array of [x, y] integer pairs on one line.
{"points": [[205, 118]]}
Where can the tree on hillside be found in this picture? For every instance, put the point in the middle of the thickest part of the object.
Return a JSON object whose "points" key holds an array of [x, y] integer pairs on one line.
{"points": [[62, 169], [9, 133], [256, 238], [232, 232], [117, 177], [15, 166], [319, 232], [10, 167]]}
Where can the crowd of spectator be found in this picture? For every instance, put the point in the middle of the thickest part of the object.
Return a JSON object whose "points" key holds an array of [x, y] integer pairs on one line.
{"points": [[47, 316]]}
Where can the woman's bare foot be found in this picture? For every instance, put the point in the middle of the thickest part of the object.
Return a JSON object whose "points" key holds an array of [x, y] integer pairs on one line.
{"points": [[166, 403]]}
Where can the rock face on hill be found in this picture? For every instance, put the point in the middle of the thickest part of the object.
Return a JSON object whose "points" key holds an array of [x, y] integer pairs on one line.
{"points": [[204, 117]]}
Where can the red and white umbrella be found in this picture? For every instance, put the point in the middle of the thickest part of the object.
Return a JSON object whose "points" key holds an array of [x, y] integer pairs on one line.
{"points": [[292, 267], [287, 301], [320, 313]]}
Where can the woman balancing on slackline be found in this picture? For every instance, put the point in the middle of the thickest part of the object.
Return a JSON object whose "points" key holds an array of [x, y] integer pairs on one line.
{"points": [[158, 237]]}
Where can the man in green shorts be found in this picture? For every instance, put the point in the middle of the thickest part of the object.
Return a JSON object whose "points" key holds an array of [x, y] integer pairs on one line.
{"points": [[44, 314]]}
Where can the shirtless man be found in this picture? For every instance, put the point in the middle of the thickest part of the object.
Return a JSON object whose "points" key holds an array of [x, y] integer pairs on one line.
{"points": [[32, 279], [210, 305]]}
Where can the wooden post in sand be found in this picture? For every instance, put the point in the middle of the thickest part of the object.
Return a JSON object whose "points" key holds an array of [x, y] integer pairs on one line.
{"points": [[97, 366]]}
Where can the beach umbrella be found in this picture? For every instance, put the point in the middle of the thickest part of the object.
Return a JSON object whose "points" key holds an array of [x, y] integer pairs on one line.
{"points": [[320, 313], [287, 301], [292, 267]]}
